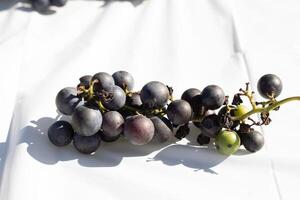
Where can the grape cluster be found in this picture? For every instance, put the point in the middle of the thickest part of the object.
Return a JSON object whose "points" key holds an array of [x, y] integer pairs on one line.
{"points": [[42, 6], [104, 107]]}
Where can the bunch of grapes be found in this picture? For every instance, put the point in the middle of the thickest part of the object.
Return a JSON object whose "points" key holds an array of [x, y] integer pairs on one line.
{"points": [[104, 107], [42, 6]]}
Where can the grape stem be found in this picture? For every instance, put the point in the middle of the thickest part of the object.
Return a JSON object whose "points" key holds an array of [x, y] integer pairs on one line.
{"points": [[264, 104], [171, 98], [90, 91], [101, 107], [161, 112], [249, 94], [265, 109]]}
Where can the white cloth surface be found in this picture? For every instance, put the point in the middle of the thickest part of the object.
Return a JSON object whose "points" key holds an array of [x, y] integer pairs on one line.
{"points": [[183, 43]]}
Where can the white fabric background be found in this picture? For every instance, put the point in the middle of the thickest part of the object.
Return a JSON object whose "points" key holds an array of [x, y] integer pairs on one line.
{"points": [[183, 43]]}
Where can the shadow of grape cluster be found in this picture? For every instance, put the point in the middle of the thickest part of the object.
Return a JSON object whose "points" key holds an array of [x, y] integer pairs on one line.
{"points": [[7, 4], [133, 2], [111, 154]]}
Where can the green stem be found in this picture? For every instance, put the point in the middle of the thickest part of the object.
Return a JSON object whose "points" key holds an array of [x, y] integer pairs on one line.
{"points": [[160, 112], [101, 107], [266, 109], [91, 91]]}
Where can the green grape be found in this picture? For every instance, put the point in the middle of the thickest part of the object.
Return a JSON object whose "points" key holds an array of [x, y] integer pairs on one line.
{"points": [[227, 142], [240, 110]]}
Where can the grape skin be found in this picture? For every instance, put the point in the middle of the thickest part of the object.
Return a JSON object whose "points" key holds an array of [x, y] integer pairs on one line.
{"points": [[179, 112], [202, 139], [67, 100], [60, 133], [134, 100], [118, 99], [106, 138], [189, 94], [86, 144], [227, 142], [196, 104], [138, 129], [124, 80], [105, 81], [253, 140], [182, 131], [208, 112], [240, 110], [269, 85], [112, 125], [163, 129], [213, 97], [155, 95], [86, 120], [210, 126], [85, 81]]}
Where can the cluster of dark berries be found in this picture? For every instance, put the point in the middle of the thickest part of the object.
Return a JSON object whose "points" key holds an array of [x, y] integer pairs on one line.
{"points": [[43, 6], [104, 107]]}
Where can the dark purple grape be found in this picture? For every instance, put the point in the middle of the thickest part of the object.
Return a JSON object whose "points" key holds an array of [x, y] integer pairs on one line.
{"points": [[138, 129], [252, 140], [58, 3], [189, 94], [163, 129], [202, 139], [208, 112], [60, 133], [197, 107], [42, 6], [213, 97], [67, 100], [104, 81], [124, 80], [85, 81], [210, 126], [86, 144], [155, 95], [86, 120], [182, 131], [117, 100], [179, 112], [112, 125], [134, 100], [269, 86], [106, 138]]}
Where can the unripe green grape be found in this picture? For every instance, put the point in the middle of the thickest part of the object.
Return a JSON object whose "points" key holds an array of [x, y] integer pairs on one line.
{"points": [[227, 142], [240, 110]]}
